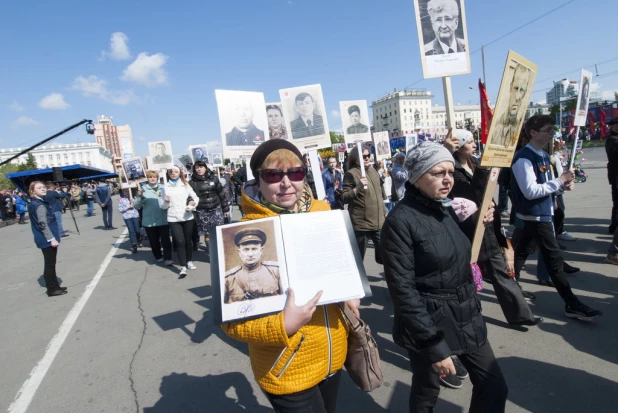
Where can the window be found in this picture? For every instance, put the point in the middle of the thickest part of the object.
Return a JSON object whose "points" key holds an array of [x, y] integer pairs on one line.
{"points": [[81, 157], [58, 158], [73, 157], [405, 111], [51, 159], [89, 163]]}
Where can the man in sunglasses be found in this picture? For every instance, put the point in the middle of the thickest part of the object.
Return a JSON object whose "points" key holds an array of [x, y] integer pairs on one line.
{"points": [[254, 278]]}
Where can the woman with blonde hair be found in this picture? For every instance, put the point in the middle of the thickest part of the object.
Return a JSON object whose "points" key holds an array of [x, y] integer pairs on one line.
{"points": [[46, 235]]}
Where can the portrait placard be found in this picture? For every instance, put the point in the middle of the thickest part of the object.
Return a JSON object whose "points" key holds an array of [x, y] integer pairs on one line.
{"points": [[243, 121], [355, 121], [199, 153], [583, 99], [161, 155], [382, 145], [277, 128], [305, 116], [217, 159], [515, 91], [411, 141], [442, 37], [256, 262], [133, 172]]}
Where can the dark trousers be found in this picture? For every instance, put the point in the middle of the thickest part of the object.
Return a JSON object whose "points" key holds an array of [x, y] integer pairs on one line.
{"points": [[541, 234], [511, 300], [489, 391], [157, 237], [107, 215], [559, 220], [49, 269], [361, 240], [503, 198], [321, 398], [614, 223], [75, 204], [182, 232], [22, 217]]}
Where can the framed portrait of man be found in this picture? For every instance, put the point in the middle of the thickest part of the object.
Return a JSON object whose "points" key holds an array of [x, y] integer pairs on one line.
{"points": [[217, 159], [161, 154], [411, 141], [243, 121], [305, 115], [442, 37], [355, 121], [583, 99], [276, 121], [199, 153], [133, 172], [382, 145], [515, 91]]}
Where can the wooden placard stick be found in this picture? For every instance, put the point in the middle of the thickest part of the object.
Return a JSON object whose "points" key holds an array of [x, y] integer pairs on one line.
{"points": [[480, 225]]}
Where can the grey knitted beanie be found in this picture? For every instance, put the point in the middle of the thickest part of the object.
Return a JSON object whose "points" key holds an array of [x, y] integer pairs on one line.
{"points": [[424, 156]]}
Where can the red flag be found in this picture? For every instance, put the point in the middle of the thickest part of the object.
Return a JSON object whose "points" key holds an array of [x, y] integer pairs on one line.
{"points": [[591, 122], [487, 113], [602, 116]]}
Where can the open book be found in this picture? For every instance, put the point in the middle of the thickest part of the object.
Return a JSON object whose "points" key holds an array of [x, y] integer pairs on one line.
{"points": [[254, 262]]}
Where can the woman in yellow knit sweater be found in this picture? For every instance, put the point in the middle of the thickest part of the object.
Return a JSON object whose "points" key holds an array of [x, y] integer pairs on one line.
{"points": [[297, 354]]}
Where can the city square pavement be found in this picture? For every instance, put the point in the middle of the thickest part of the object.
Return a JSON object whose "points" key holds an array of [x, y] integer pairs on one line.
{"points": [[145, 341]]}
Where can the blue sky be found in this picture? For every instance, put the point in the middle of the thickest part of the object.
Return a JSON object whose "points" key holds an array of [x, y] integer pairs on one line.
{"points": [[163, 82]]}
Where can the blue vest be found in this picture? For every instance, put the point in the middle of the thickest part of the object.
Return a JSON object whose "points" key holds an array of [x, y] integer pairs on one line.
{"points": [[541, 207], [39, 238]]}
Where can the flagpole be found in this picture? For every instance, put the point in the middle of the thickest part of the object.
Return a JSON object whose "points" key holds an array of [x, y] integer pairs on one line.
{"points": [[483, 58]]}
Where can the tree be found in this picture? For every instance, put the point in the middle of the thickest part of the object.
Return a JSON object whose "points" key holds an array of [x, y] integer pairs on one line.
{"points": [[469, 124], [5, 183], [335, 138], [554, 111], [570, 105], [616, 96], [29, 165]]}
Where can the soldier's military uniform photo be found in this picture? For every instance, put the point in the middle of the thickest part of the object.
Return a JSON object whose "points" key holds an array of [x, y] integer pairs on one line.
{"points": [[254, 278]]}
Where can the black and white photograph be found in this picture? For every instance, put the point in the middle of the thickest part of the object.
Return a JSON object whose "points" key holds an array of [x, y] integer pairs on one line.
{"points": [[199, 153], [443, 39], [382, 145], [513, 98], [411, 141], [217, 159], [276, 121], [133, 172], [250, 277], [355, 121], [243, 121], [583, 99], [161, 154], [305, 116]]}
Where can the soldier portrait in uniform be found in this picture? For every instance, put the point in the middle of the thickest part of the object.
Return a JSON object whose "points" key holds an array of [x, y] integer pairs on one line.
{"points": [[161, 154], [216, 159], [355, 118], [508, 124], [255, 277], [199, 153], [244, 132], [382, 145]]}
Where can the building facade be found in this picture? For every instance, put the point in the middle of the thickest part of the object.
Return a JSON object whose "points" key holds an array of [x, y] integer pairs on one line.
{"points": [[561, 89], [411, 111], [538, 109], [49, 156], [117, 139]]}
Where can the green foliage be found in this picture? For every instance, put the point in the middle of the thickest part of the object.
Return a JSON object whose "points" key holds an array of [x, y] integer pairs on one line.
{"points": [[8, 168], [554, 111], [226, 161], [335, 138], [569, 105]]}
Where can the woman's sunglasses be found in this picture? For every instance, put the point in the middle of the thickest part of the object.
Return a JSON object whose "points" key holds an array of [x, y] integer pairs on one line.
{"points": [[366, 156], [273, 176]]}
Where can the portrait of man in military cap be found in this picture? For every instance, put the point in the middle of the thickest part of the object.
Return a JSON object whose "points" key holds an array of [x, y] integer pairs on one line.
{"points": [[355, 118], [254, 278]]}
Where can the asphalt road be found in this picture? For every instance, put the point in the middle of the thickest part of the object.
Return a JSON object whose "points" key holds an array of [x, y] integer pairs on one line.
{"points": [[145, 340]]}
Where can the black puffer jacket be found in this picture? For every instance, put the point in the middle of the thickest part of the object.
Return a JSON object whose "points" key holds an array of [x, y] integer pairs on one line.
{"points": [[427, 267], [209, 190], [472, 187]]}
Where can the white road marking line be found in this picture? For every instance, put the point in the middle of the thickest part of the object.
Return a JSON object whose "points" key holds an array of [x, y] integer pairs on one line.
{"points": [[28, 389]]}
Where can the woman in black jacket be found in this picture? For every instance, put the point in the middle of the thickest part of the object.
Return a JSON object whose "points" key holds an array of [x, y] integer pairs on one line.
{"points": [[470, 183], [212, 207], [427, 267]]}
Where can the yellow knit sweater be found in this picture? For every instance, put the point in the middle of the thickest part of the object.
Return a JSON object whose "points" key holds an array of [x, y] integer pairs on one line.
{"points": [[282, 364]]}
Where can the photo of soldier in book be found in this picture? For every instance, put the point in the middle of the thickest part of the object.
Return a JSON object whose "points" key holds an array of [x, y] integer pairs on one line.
{"points": [[254, 278]]}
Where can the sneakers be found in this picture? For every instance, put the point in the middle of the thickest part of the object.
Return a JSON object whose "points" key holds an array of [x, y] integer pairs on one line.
{"points": [[452, 382], [191, 266], [169, 262], [460, 370], [569, 269], [160, 260], [134, 249], [612, 259], [565, 236], [183, 272], [582, 312], [505, 214], [530, 322]]}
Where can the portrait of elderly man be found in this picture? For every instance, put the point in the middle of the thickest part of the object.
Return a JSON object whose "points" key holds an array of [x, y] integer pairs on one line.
{"points": [[161, 156], [255, 278], [444, 16], [308, 123], [244, 133], [355, 118], [508, 126]]}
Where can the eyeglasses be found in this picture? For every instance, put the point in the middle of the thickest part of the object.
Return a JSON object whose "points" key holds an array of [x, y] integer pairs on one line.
{"points": [[547, 131], [366, 156], [273, 176], [441, 174]]}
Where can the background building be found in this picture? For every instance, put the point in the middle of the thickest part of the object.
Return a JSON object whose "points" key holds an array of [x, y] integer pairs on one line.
{"points": [[561, 89], [409, 111], [89, 154], [117, 139], [538, 109]]}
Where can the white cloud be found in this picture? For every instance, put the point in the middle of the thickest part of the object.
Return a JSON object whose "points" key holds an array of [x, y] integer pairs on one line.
{"points": [[335, 113], [147, 70], [95, 86], [16, 106], [53, 101], [141, 139], [596, 92], [24, 121], [118, 48]]}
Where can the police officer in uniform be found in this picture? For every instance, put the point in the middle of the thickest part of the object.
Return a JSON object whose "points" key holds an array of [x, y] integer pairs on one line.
{"points": [[255, 278]]}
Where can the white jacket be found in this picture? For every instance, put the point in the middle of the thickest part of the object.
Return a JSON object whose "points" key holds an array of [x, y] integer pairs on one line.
{"points": [[177, 205]]}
